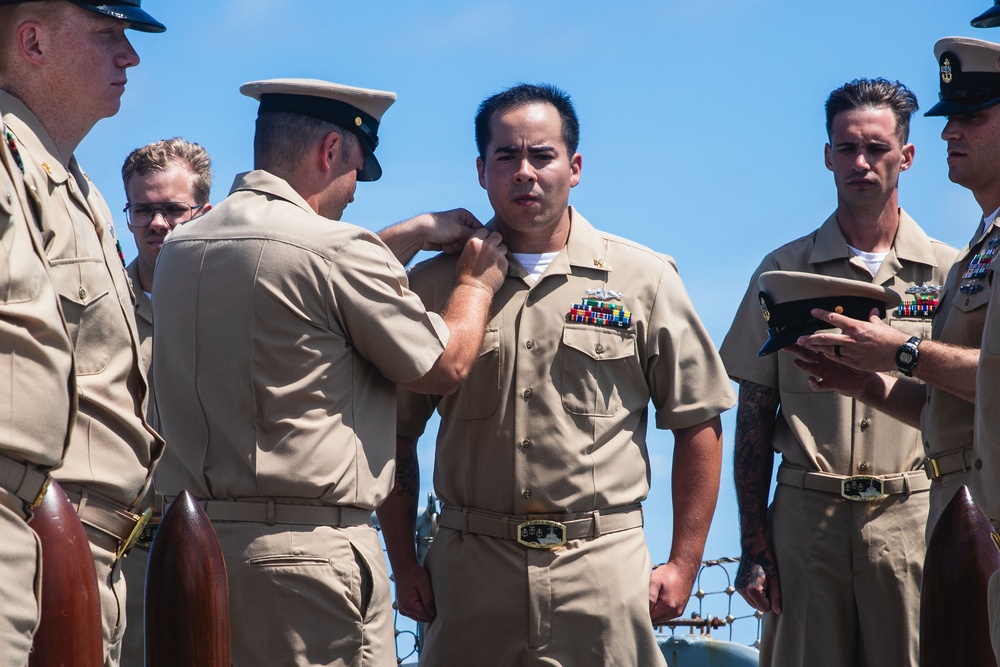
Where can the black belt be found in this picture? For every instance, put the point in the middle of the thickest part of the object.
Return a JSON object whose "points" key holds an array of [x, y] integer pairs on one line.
{"points": [[542, 531]]}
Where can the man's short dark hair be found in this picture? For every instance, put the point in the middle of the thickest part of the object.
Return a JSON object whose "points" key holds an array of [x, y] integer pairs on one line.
{"points": [[519, 96], [874, 94], [282, 139]]}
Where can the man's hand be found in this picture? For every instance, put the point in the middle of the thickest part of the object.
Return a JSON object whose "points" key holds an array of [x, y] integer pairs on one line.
{"points": [[414, 596], [483, 262], [669, 590], [826, 374], [866, 346], [757, 580], [448, 230]]}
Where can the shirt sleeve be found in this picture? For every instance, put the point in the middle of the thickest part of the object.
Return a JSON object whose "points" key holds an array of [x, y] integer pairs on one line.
{"points": [[382, 318], [747, 335], [686, 377]]}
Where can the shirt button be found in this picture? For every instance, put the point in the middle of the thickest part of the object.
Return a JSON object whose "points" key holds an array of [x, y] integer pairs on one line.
{"points": [[530, 344], [863, 467], [598, 348], [527, 393], [979, 464], [864, 424], [967, 302], [83, 293], [526, 443], [526, 493]]}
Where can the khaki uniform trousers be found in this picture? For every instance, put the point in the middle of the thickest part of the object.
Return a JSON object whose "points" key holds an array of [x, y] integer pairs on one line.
{"points": [[307, 595], [500, 603], [20, 580], [994, 602], [111, 586], [134, 572], [941, 492], [850, 580]]}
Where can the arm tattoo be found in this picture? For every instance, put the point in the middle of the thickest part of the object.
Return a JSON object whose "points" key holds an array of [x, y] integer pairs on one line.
{"points": [[753, 567], [753, 459], [408, 481]]}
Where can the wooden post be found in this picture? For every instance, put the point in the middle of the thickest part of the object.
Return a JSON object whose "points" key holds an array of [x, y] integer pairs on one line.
{"points": [[961, 558], [187, 591], [70, 631]]}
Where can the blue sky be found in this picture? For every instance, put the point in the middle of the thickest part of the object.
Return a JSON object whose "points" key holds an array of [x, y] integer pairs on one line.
{"points": [[702, 122]]}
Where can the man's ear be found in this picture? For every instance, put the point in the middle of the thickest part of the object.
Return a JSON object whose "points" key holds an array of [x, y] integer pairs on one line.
{"points": [[30, 38], [330, 151]]}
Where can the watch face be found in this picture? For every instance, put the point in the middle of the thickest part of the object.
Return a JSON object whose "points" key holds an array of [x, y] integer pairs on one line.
{"points": [[905, 358]]}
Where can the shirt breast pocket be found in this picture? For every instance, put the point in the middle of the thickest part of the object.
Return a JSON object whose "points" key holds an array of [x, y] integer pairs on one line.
{"points": [[88, 308], [479, 395], [21, 272], [594, 361]]}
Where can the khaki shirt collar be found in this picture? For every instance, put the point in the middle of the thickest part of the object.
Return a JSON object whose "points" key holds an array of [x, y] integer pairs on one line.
{"points": [[269, 184], [910, 245], [32, 135], [585, 248]]}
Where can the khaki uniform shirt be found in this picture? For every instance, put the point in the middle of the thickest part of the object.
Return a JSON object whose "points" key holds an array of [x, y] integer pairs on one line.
{"points": [[36, 363], [985, 473], [279, 337], [553, 416], [112, 449], [947, 420], [143, 315], [824, 431]]}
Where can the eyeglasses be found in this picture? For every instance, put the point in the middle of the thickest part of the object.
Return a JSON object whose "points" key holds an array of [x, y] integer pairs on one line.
{"points": [[173, 212]]}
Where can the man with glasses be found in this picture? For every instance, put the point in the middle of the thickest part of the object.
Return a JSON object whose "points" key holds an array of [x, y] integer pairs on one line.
{"points": [[167, 183], [62, 69]]}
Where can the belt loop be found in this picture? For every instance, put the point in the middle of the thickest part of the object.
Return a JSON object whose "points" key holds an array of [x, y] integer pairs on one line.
{"points": [[965, 466], [465, 521], [342, 517], [83, 502], [506, 527], [802, 480], [270, 511], [597, 523], [906, 485]]}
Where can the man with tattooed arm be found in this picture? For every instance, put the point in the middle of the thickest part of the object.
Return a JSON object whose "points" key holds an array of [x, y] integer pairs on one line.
{"points": [[828, 568]]}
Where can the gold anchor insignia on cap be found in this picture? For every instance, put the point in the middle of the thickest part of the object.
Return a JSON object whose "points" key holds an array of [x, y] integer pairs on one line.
{"points": [[946, 70], [599, 263], [48, 170], [839, 310], [764, 310], [357, 121]]}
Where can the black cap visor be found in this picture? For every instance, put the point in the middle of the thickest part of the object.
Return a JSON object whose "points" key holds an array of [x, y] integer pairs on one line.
{"points": [[793, 319], [988, 19], [962, 106], [126, 10]]}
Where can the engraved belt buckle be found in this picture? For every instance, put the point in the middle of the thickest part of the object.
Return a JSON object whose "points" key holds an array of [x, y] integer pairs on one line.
{"points": [[145, 538], [140, 524], [541, 534], [41, 492], [864, 488]]}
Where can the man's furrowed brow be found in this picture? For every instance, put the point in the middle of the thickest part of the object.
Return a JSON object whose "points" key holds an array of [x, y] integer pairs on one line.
{"points": [[506, 150]]}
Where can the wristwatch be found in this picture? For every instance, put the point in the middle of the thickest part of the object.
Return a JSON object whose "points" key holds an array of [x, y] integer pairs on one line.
{"points": [[907, 355]]}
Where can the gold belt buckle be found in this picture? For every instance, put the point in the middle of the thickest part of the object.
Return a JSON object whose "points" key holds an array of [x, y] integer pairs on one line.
{"points": [[996, 539], [864, 488], [140, 524], [541, 534], [931, 468], [41, 492]]}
